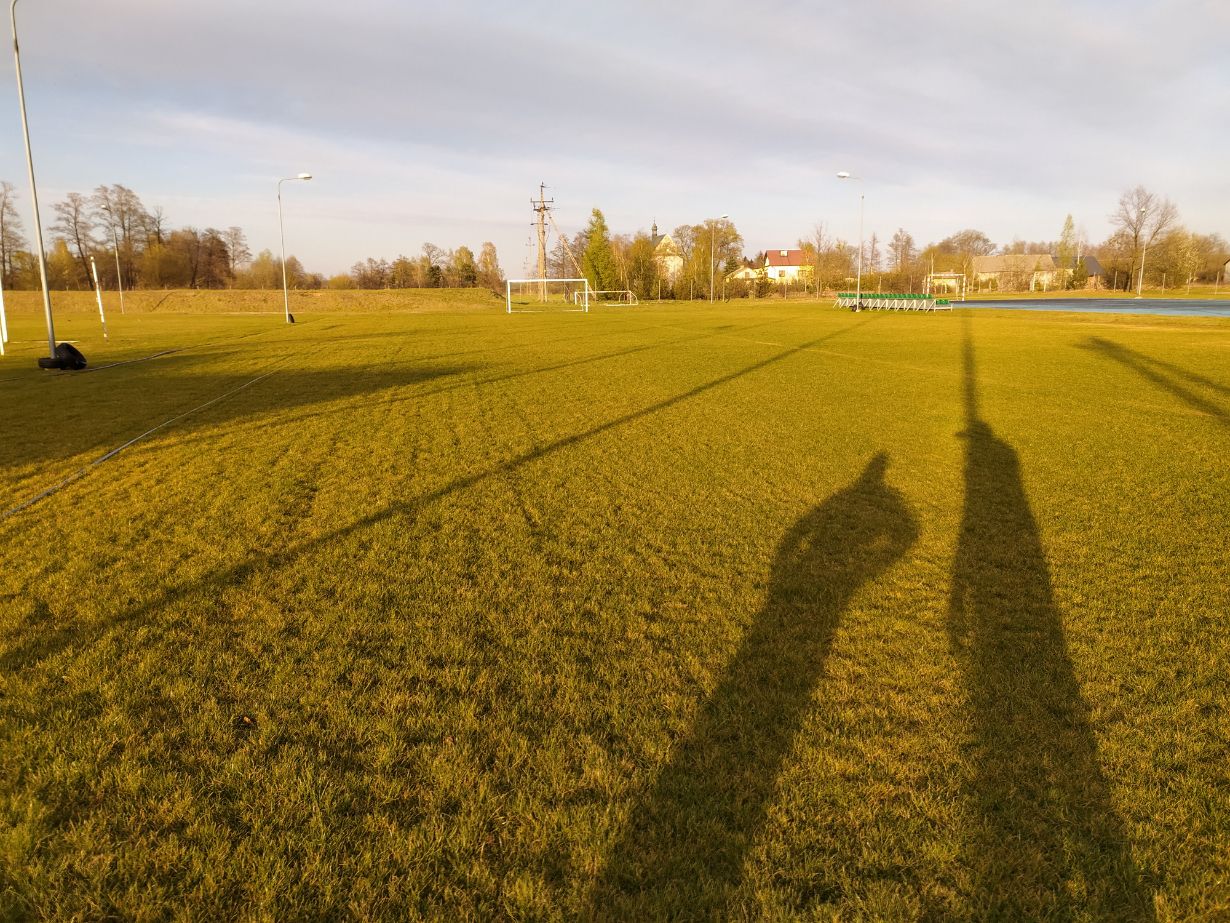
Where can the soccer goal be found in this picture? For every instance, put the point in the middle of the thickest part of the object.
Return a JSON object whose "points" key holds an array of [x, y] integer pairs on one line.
{"points": [[612, 296], [529, 295]]}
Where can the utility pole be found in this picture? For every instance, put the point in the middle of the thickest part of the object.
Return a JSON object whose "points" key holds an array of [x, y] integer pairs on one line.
{"points": [[542, 208]]}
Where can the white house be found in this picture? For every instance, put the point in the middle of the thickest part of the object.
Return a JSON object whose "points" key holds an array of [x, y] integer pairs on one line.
{"points": [[667, 253], [785, 266], [745, 274], [1015, 272]]}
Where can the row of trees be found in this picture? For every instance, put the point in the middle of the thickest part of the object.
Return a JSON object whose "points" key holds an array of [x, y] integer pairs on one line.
{"points": [[1145, 225], [630, 262], [112, 225], [433, 268]]}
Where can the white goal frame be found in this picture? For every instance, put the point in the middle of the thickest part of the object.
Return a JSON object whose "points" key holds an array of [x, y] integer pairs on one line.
{"points": [[581, 306]]}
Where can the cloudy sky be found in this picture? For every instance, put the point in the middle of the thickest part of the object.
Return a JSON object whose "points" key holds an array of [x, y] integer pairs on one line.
{"points": [[436, 122]]}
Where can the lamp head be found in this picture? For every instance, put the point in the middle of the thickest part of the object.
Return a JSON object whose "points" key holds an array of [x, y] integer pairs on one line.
{"points": [[304, 176], [723, 217], [843, 175]]}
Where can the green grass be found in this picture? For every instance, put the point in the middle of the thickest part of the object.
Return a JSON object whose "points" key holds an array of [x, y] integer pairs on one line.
{"points": [[757, 612]]}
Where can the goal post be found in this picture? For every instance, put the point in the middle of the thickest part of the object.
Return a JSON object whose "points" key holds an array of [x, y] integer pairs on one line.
{"points": [[535, 295]]}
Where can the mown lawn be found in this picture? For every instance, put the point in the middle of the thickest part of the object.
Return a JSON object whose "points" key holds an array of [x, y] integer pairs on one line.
{"points": [[767, 612]]}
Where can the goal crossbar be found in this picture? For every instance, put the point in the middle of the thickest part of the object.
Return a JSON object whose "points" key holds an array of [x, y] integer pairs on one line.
{"points": [[580, 299]]}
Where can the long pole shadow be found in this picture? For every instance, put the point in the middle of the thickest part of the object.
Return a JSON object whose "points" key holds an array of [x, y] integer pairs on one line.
{"points": [[1148, 368], [1047, 843], [682, 853], [27, 646]]}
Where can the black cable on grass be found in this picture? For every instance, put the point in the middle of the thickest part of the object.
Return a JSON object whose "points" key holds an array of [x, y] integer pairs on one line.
{"points": [[81, 472]]}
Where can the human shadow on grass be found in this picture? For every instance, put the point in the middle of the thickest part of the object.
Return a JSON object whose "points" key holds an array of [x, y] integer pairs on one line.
{"points": [[682, 853], [1165, 375], [1046, 843], [28, 645]]}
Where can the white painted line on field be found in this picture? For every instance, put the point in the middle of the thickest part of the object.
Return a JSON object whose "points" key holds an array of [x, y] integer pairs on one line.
{"points": [[81, 472]]}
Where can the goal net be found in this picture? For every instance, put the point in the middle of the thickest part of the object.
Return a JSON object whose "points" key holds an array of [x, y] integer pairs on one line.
{"points": [[526, 295], [610, 296]]}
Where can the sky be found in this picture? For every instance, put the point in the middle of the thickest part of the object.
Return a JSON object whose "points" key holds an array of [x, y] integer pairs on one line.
{"points": [[436, 122]]}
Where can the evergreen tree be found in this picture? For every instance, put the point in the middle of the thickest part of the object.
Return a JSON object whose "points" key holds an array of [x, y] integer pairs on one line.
{"points": [[1065, 251], [598, 263]]}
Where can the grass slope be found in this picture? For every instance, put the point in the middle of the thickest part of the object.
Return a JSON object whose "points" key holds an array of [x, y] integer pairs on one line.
{"points": [[775, 612]]}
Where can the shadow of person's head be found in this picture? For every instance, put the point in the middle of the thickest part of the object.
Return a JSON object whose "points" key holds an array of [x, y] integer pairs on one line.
{"points": [[844, 542]]}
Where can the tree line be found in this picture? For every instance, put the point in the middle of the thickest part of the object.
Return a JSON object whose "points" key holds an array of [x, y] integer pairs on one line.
{"points": [[1143, 224], [433, 268], [631, 262], [112, 225]]}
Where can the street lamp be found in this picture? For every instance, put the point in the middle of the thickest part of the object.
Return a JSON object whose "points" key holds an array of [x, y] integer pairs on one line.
{"points": [[50, 362], [712, 261], [119, 275], [282, 235], [1140, 283], [858, 283]]}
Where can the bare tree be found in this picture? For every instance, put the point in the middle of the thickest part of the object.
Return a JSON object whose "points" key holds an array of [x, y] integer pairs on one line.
{"points": [[819, 242], [75, 226], [1143, 217], [155, 226], [11, 239], [236, 247], [119, 210]]}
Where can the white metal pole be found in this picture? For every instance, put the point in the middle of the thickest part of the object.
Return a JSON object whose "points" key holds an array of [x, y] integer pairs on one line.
{"points": [[858, 283], [119, 275], [38, 224], [1140, 283], [98, 294], [282, 235], [712, 254], [858, 276], [4, 324], [712, 238]]}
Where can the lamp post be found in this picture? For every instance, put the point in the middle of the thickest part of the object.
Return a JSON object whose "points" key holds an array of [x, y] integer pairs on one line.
{"points": [[38, 224], [712, 260], [1140, 283], [282, 235], [858, 282], [119, 276]]}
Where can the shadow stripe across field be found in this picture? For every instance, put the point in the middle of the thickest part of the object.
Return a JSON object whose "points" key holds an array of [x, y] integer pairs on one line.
{"points": [[51, 643]]}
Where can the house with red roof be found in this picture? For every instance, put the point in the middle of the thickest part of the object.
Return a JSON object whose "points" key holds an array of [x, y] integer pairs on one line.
{"points": [[785, 266]]}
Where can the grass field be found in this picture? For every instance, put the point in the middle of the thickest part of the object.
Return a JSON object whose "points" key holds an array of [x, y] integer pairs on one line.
{"points": [[756, 612]]}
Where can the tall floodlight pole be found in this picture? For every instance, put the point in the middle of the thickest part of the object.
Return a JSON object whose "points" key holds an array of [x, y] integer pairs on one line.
{"points": [[119, 276], [38, 224], [1140, 283], [858, 281], [282, 235], [4, 324], [712, 255]]}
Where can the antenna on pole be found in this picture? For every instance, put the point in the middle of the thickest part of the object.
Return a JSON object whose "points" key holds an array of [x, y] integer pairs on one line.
{"points": [[542, 210]]}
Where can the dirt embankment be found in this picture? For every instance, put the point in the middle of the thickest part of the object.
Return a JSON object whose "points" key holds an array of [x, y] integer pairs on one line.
{"points": [[230, 301]]}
